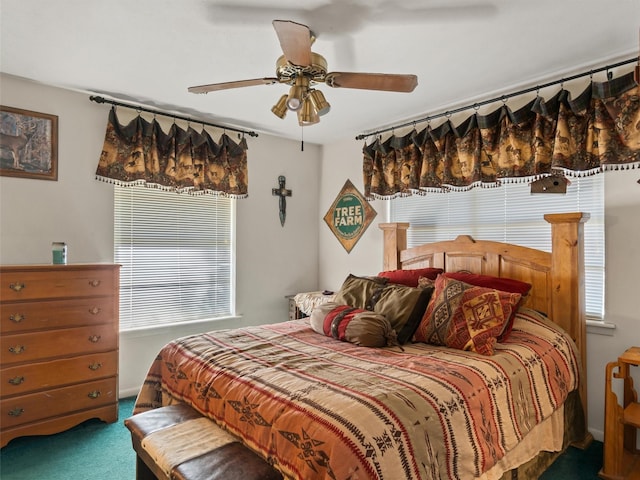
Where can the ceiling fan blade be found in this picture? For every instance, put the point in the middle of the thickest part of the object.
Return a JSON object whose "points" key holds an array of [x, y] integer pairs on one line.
{"points": [[295, 41], [372, 81], [212, 87]]}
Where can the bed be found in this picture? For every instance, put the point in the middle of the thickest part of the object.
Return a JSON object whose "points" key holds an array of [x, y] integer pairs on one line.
{"points": [[319, 408]]}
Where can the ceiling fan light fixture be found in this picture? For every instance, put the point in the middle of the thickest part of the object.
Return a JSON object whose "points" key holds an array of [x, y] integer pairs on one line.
{"points": [[307, 115], [294, 101], [300, 69], [320, 103], [280, 108], [297, 93]]}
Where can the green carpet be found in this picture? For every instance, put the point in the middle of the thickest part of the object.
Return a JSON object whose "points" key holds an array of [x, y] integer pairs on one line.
{"points": [[576, 464], [95, 450]]}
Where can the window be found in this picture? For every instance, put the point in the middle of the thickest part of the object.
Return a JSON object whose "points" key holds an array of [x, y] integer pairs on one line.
{"points": [[512, 214], [177, 256]]}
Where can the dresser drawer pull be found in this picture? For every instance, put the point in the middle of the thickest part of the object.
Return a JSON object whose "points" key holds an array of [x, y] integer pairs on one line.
{"points": [[94, 338], [17, 350], [17, 317], [94, 394], [16, 380], [95, 310], [16, 412], [95, 366], [94, 283], [16, 287]]}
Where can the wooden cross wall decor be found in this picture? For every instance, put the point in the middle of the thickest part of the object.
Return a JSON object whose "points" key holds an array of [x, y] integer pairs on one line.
{"points": [[283, 193]]}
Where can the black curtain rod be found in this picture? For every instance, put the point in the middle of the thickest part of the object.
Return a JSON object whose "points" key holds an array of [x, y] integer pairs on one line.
{"points": [[497, 99], [97, 99]]}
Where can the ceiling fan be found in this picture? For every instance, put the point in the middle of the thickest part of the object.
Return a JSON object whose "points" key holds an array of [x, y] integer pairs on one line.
{"points": [[302, 69]]}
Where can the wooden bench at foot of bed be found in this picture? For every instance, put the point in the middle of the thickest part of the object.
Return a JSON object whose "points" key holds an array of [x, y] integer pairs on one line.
{"points": [[177, 443]]}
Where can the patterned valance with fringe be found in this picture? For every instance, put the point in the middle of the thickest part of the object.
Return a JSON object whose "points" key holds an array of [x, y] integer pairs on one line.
{"points": [[599, 130], [141, 153]]}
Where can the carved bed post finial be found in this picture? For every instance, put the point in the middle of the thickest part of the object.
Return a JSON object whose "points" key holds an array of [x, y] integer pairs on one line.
{"points": [[395, 240], [567, 282]]}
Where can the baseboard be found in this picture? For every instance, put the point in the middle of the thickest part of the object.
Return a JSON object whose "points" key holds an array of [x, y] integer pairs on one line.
{"points": [[585, 442], [597, 434], [128, 392]]}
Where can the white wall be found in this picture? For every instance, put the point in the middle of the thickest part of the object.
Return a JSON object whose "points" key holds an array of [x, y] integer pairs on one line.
{"points": [[272, 261], [622, 233], [342, 161], [622, 280]]}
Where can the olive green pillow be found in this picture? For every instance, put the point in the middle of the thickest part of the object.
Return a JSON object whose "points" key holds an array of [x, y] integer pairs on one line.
{"points": [[403, 307], [359, 291]]}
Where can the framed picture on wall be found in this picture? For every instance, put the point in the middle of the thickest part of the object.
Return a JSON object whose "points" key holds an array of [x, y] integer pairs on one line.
{"points": [[28, 144]]}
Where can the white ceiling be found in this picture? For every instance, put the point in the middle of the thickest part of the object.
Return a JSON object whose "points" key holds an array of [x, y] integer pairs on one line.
{"points": [[463, 51]]}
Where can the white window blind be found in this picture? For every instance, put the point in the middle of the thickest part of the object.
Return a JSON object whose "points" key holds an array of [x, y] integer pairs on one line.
{"points": [[177, 256], [511, 214]]}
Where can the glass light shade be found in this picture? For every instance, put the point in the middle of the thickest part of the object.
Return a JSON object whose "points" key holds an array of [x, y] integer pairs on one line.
{"points": [[280, 108], [297, 93], [307, 115], [294, 101], [319, 102]]}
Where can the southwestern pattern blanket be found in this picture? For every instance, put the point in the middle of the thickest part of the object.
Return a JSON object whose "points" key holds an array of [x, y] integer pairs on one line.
{"points": [[317, 408]]}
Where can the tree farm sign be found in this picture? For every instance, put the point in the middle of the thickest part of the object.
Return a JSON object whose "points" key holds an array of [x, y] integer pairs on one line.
{"points": [[349, 216]]}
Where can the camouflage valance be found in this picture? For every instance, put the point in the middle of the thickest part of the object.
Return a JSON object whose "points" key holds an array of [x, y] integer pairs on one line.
{"points": [[599, 130], [141, 153]]}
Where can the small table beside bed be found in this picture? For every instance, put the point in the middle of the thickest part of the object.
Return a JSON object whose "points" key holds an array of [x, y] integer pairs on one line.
{"points": [[445, 394]]}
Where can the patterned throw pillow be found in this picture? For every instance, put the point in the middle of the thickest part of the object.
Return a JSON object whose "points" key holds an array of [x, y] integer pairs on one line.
{"points": [[424, 282], [354, 325], [503, 284], [465, 316]]}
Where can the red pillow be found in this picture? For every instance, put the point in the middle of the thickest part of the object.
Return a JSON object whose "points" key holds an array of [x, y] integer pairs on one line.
{"points": [[498, 283], [488, 281], [410, 277]]}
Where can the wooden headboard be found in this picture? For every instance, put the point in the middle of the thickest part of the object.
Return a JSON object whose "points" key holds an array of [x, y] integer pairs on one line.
{"points": [[557, 278]]}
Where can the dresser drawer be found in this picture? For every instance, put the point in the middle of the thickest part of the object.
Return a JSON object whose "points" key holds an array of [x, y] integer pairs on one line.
{"points": [[26, 316], [60, 281], [58, 401], [26, 347], [54, 373]]}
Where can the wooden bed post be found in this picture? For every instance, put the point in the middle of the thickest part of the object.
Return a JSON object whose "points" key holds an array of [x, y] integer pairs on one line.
{"points": [[567, 284], [395, 240]]}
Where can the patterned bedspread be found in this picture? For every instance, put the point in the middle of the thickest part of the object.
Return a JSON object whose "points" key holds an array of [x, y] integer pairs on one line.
{"points": [[318, 408]]}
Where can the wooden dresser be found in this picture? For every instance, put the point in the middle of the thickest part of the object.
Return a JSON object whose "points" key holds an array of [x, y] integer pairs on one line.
{"points": [[59, 340]]}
